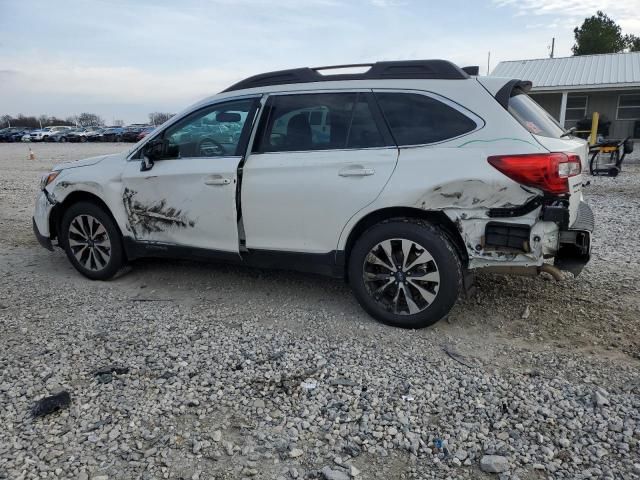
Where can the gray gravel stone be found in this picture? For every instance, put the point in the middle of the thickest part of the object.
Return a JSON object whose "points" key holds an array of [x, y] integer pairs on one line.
{"points": [[494, 464], [220, 360]]}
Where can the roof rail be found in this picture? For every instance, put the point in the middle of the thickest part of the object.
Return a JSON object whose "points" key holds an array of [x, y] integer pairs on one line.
{"points": [[408, 69]]}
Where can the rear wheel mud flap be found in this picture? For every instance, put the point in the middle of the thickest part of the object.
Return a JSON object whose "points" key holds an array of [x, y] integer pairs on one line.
{"points": [[575, 243], [571, 258]]}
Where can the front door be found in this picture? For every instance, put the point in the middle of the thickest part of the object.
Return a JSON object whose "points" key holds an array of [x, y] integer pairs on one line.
{"points": [[188, 197], [318, 158]]}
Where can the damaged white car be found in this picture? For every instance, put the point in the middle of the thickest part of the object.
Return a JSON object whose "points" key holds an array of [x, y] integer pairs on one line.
{"points": [[403, 179]]}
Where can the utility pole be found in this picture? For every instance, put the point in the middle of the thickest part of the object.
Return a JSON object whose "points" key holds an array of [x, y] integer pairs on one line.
{"points": [[553, 46], [488, 61]]}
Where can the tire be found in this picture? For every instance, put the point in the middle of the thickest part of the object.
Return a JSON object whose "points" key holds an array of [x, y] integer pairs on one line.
{"points": [[62, 140], [413, 297], [83, 139], [108, 256]]}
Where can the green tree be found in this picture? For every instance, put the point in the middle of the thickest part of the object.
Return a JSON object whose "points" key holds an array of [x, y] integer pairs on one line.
{"points": [[598, 34], [633, 43]]}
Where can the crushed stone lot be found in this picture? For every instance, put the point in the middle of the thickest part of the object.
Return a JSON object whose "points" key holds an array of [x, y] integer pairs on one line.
{"points": [[184, 370]]}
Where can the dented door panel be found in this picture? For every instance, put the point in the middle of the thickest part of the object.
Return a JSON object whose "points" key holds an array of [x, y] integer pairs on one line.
{"points": [[176, 202]]}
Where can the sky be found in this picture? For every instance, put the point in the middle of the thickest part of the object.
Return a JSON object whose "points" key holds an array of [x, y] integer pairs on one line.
{"points": [[123, 59]]}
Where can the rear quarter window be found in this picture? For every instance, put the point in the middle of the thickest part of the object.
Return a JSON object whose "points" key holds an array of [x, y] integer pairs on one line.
{"points": [[416, 119], [533, 117]]}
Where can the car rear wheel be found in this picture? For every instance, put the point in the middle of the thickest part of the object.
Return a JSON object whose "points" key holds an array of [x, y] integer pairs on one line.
{"points": [[92, 241], [405, 273]]}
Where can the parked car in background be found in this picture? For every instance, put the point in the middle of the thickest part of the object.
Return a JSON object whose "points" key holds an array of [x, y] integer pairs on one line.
{"points": [[42, 135], [404, 180], [59, 136], [93, 135], [131, 133], [111, 134], [79, 134], [36, 135], [145, 131], [13, 134]]}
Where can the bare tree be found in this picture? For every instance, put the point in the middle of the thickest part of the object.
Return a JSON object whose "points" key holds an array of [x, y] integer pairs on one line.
{"points": [[89, 120], [158, 118], [6, 120]]}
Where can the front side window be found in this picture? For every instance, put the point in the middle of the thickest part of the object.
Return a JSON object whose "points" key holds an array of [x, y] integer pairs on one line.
{"points": [[417, 119], [321, 121], [211, 132]]}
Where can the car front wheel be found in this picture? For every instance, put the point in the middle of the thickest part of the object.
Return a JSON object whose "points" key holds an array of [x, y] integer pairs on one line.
{"points": [[92, 241], [405, 273]]}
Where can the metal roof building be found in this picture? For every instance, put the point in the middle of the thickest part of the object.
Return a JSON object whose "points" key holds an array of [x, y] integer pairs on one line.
{"points": [[572, 88]]}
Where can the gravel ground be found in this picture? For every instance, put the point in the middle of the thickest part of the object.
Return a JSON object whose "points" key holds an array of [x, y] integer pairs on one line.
{"points": [[184, 370]]}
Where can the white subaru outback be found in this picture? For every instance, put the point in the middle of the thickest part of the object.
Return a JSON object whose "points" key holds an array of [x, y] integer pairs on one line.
{"points": [[403, 179]]}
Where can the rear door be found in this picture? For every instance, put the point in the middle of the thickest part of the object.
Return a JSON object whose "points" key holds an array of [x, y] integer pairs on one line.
{"points": [[317, 159]]}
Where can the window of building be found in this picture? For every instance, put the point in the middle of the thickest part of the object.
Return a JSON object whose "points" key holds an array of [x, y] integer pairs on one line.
{"points": [[628, 107], [576, 107]]}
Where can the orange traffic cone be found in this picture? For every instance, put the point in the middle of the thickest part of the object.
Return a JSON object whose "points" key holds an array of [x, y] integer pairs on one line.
{"points": [[32, 156]]}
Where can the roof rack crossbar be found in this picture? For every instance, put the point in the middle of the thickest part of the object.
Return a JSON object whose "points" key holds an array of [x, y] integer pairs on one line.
{"points": [[408, 69]]}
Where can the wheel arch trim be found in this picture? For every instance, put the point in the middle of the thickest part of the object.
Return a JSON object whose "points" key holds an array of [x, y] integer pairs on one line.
{"points": [[435, 217], [55, 217]]}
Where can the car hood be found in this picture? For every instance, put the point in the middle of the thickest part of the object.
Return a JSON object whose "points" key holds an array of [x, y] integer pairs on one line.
{"points": [[86, 162]]}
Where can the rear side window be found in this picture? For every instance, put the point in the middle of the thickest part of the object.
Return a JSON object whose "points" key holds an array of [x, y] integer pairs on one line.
{"points": [[533, 117], [322, 121], [416, 119]]}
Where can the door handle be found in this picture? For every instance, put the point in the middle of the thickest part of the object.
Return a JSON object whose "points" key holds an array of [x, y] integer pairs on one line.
{"points": [[217, 180], [356, 172]]}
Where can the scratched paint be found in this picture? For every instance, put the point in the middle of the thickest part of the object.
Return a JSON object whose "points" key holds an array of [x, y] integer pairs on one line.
{"points": [[154, 217], [475, 194]]}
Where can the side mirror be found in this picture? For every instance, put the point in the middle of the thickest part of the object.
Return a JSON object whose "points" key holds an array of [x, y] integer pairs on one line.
{"points": [[146, 164]]}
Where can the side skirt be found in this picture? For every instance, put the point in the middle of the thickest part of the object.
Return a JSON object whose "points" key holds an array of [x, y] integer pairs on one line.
{"points": [[330, 264]]}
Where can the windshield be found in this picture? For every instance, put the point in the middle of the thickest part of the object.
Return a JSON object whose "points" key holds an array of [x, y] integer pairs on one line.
{"points": [[533, 117]]}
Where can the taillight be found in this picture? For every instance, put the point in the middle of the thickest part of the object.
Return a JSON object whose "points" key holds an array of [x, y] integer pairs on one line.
{"points": [[546, 171]]}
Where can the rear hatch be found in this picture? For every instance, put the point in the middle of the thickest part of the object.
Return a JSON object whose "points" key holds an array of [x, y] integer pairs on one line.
{"points": [[547, 132]]}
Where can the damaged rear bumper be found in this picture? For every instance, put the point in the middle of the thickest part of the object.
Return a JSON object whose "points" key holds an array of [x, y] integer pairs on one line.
{"points": [[574, 249]]}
